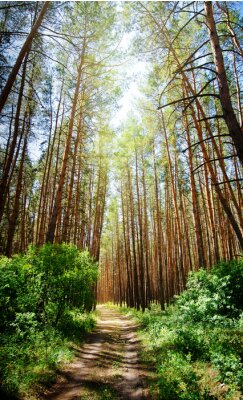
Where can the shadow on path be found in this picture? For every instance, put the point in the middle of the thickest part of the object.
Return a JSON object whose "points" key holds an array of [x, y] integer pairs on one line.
{"points": [[106, 367]]}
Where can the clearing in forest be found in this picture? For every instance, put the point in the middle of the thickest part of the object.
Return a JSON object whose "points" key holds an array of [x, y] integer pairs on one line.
{"points": [[107, 365]]}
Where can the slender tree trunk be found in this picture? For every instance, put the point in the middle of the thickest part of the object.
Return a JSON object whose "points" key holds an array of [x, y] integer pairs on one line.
{"points": [[133, 238], [222, 199], [15, 212], [71, 183], [140, 240], [24, 50], [130, 300], [146, 235], [159, 238], [5, 180], [237, 83], [235, 40], [195, 206], [57, 204], [180, 238], [45, 198], [224, 93]]}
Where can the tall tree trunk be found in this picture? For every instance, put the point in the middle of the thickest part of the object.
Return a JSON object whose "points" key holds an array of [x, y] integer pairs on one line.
{"points": [[133, 238], [15, 212], [181, 271], [224, 93], [5, 180], [213, 176], [125, 222], [195, 206], [235, 40], [71, 183], [140, 240], [24, 50], [58, 199], [159, 238], [45, 187], [146, 234]]}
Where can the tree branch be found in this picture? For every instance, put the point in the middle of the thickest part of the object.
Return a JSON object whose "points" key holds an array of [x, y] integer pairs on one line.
{"points": [[188, 98], [213, 117], [214, 159], [200, 67], [191, 56], [199, 93], [188, 22], [201, 141], [228, 181]]}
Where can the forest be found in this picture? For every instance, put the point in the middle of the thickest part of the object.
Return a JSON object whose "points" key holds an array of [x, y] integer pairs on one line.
{"points": [[121, 154]]}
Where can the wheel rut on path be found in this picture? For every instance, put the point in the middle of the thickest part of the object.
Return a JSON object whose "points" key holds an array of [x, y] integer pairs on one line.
{"points": [[106, 366]]}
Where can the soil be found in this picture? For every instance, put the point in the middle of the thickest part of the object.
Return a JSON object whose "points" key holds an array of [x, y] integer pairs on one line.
{"points": [[107, 366]]}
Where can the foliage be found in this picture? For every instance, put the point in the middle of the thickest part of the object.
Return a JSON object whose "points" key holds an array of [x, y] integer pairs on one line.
{"points": [[196, 343], [44, 298], [74, 324], [211, 296]]}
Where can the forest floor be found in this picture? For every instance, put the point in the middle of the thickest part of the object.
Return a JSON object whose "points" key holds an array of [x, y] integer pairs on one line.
{"points": [[107, 366]]}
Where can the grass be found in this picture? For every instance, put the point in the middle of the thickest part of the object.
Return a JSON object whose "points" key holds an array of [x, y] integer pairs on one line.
{"points": [[30, 364], [191, 362], [101, 391], [195, 345]]}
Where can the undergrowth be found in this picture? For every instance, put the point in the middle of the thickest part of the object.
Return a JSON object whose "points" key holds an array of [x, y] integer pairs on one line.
{"points": [[196, 343], [45, 299]]}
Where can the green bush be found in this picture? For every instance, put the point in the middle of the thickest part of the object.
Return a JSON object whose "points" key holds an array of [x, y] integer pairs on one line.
{"points": [[74, 323], [177, 378], [211, 296], [233, 270], [196, 344], [44, 295], [46, 281]]}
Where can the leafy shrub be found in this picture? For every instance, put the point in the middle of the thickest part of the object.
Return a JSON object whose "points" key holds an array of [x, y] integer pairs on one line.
{"points": [[191, 340], [196, 344], [43, 298], [74, 323], [177, 379], [215, 294], [230, 367], [46, 281], [233, 270]]}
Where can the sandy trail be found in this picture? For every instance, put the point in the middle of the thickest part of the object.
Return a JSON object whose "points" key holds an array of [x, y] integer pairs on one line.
{"points": [[106, 366]]}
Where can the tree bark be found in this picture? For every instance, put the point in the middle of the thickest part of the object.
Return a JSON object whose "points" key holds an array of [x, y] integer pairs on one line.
{"points": [[213, 176], [224, 93], [235, 40], [15, 212], [58, 199], [24, 50], [5, 180]]}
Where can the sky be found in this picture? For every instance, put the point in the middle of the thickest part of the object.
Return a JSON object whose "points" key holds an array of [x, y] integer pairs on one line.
{"points": [[127, 103], [135, 70]]}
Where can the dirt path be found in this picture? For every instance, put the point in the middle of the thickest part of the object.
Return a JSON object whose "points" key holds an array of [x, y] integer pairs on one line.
{"points": [[106, 367]]}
